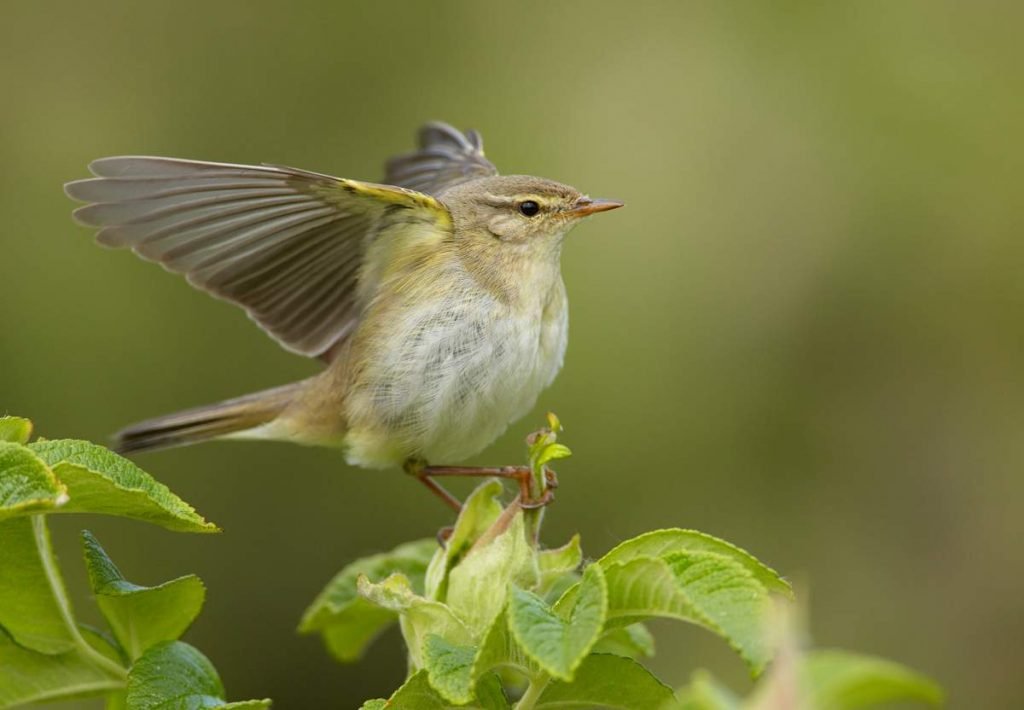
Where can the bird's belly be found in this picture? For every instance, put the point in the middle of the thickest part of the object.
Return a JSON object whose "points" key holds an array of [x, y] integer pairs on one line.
{"points": [[451, 383]]}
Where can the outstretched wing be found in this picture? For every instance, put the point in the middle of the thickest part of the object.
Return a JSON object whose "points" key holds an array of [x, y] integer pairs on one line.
{"points": [[285, 244], [446, 157]]}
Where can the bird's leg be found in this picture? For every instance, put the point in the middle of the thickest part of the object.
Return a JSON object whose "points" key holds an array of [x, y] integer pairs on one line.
{"points": [[418, 468], [521, 474]]}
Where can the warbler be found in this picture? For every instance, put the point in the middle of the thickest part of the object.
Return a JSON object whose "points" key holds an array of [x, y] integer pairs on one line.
{"points": [[435, 299]]}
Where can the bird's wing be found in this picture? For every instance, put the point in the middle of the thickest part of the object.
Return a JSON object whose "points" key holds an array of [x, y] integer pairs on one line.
{"points": [[284, 244], [446, 157]]}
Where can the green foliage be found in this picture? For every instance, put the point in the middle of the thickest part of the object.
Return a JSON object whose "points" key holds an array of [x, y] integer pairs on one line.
{"points": [[487, 617], [558, 645], [27, 676], [347, 621], [495, 616], [141, 617], [28, 485], [17, 430], [45, 654], [608, 681], [30, 613], [173, 674], [100, 481], [842, 680], [815, 680]]}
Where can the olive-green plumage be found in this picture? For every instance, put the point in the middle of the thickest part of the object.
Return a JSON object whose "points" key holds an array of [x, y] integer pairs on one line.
{"points": [[435, 299]]}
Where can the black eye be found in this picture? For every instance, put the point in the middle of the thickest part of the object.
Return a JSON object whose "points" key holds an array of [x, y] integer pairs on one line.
{"points": [[528, 208]]}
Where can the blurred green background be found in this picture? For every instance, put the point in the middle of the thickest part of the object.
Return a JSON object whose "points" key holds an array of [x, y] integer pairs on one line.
{"points": [[805, 334]]}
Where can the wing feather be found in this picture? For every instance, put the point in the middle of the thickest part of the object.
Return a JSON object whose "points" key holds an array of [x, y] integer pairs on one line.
{"points": [[285, 244], [446, 157]]}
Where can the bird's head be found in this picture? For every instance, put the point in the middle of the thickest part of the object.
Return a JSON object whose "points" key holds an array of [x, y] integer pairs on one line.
{"points": [[519, 210]]}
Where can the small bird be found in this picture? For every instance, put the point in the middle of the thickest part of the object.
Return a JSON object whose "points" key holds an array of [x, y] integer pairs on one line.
{"points": [[435, 299]]}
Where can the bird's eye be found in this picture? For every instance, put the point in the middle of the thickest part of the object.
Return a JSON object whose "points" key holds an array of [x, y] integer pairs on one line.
{"points": [[528, 208]]}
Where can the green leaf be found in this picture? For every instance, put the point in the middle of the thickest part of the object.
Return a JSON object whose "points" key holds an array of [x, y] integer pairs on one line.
{"points": [[499, 648], [480, 511], [704, 588], [15, 429], [605, 681], [660, 543], [29, 677], [555, 644], [27, 485], [29, 611], [141, 616], [175, 676], [375, 704], [705, 693], [552, 452], [350, 623], [631, 641], [418, 615], [839, 680], [478, 585], [558, 562], [553, 422], [490, 695], [449, 668], [415, 694], [100, 481]]}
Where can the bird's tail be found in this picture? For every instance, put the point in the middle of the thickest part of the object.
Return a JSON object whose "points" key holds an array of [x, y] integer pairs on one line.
{"points": [[233, 416]]}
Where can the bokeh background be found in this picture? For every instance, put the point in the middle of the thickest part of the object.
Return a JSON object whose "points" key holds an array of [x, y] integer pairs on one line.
{"points": [[805, 334]]}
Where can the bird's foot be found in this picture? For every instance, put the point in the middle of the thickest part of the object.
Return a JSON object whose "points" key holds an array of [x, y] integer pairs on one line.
{"points": [[521, 474]]}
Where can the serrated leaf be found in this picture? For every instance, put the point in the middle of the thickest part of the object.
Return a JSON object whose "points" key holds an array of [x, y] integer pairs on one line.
{"points": [[350, 623], [558, 645], [29, 612], [29, 677], [100, 481], [606, 681], [631, 641], [480, 511], [728, 600], [704, 588], [141, 617], [840, 680], [418, 616], [17, 430], [449, 668], [175, 676], [27, 485], [477, 586], [660, 543]]}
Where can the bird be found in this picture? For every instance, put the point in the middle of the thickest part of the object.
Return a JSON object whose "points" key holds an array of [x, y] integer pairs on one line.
{"points": [[434, 299]]}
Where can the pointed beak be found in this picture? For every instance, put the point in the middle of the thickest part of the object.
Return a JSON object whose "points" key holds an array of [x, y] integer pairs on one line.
{"points": [[588, 206]]}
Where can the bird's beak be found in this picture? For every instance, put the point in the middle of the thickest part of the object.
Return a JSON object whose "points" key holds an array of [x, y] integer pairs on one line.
{"points": [[587, 206]]}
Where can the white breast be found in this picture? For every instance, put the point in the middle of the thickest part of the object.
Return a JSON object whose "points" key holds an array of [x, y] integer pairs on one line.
{"points": [[455, 378]]}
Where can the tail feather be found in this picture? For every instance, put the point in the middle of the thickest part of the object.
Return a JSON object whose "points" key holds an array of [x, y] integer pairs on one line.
{"points": [[207, 422]]}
